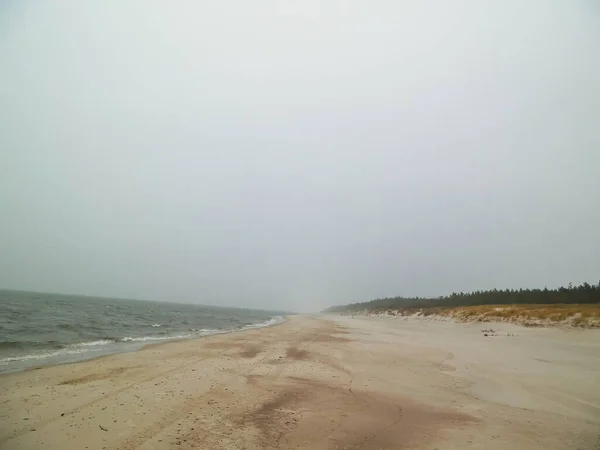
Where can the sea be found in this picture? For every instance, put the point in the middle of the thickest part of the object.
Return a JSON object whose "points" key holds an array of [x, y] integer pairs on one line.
{"points": [[40, 329]]}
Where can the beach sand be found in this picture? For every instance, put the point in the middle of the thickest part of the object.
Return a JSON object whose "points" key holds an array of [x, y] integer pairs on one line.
{"points": [[321, 383]]}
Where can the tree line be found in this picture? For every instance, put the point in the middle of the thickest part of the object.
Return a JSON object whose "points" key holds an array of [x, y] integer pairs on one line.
{"points": [[584, 293]]}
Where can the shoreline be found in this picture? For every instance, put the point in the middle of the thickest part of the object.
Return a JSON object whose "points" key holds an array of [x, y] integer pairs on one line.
{"points": [[116, 348], [143, 347], [318, 382]]}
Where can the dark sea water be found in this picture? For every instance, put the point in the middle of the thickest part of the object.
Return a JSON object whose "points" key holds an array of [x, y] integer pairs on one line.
{"points": [[39, 329]]}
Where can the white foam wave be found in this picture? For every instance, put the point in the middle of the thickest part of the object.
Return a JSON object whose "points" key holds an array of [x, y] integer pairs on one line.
{"points": [[193, 333], [272, 321], [202, 331], [95, 346], [73, 349], [94, 343], [154, 338], [36, 356]]}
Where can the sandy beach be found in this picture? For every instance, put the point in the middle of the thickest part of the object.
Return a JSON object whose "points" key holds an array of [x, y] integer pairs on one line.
{"points": [[321, 383]]}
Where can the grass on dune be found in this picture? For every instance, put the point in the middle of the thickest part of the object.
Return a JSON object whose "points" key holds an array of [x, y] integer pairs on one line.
{"points": [[580, 315]]}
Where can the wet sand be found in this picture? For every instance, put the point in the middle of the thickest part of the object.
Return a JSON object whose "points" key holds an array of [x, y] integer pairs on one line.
{"points": [[321, 383]]}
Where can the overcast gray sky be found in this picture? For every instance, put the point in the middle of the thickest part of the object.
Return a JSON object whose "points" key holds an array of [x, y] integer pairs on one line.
{"points": [[298, 154]]}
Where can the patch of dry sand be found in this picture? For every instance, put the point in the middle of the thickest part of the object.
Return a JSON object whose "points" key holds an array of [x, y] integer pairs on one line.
{"points": [[320, 383]]}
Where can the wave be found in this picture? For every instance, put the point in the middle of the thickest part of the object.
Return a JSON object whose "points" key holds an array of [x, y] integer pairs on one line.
{"points": [[153, 338], [94, 343], [267, 323], [45, 355], [12, 344], [194, 332], [104, 345], [21, 345]]}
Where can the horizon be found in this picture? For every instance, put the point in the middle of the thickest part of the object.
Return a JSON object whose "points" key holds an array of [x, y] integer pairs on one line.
{"points": [[173, 302], [234, 306]]}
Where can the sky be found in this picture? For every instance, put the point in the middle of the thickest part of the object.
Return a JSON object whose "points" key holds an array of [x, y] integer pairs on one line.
{"points": [[298, 154]]}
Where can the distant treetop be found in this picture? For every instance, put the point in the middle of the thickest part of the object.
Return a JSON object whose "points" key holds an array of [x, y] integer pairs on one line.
{"points": [[584, 293]]}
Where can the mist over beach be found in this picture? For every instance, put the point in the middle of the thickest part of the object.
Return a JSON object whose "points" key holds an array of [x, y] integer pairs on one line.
{"points": [[302, 224]]}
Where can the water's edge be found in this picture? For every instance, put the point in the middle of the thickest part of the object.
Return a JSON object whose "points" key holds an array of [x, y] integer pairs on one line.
{"points": [[124, 346]]}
